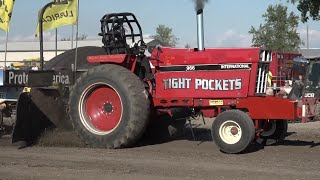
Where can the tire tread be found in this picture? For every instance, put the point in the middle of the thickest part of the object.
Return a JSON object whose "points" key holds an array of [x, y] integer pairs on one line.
{"points": [[139, 104]]}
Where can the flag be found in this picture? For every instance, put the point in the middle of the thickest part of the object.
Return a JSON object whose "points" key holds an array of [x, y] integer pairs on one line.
{"points": [[270, 76], [59, 15], [6, 7]]}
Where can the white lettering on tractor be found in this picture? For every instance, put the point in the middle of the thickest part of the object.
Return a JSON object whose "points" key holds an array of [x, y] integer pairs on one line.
{"points": [[203, 84], [191, 68], [235, 66], [309, 95], [177, 83]]}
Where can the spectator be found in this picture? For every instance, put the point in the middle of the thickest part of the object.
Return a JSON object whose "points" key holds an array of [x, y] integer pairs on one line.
{"points": [[12, 67], [34, 67], [270, 91], [299, 86], [287, 88], [300, 81]]}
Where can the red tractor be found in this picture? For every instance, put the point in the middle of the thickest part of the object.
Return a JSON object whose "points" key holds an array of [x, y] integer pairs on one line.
{"points": [[111, 103]]}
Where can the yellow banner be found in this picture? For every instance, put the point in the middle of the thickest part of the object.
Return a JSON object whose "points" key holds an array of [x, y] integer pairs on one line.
{"points": [[270, 76], [6, 7], [59, 15]]}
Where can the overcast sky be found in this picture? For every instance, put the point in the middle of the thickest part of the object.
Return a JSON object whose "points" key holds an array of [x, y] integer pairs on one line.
{"points": [[227, 22]]}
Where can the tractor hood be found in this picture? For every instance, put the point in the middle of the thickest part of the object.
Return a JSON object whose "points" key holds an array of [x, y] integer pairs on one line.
{"points": [[182, 56]]}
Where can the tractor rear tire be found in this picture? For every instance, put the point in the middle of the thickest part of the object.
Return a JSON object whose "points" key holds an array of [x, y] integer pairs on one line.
{"points": [[233, 131], [66, 59], [109, 107]]}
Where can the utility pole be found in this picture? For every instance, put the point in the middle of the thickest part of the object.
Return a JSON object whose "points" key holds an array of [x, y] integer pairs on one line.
{"points": [[307, 36], [56, 41]]}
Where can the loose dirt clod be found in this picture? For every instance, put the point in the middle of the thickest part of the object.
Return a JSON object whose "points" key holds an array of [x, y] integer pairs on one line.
{"points": [[60, 138]]}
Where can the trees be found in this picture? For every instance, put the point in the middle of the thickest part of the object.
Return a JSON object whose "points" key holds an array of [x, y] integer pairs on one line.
{"points": [[80, 38], [308, 9], [165, 36], [279, 31]]}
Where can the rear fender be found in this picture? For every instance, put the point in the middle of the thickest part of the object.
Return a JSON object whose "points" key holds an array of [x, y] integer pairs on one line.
{"points": [[115, 58], [127, 61]]}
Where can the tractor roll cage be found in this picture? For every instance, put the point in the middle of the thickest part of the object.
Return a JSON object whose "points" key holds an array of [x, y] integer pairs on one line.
{"points": [[115, 34]]}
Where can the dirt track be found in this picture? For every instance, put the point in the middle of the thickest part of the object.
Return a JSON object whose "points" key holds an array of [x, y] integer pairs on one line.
{"points": [[296, 158]]}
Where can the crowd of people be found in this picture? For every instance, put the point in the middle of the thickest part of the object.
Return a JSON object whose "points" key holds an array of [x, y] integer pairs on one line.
{"points": [[33, 67]]}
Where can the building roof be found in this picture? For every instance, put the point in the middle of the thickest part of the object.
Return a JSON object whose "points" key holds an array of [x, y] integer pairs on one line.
{"points": [[31, 46], [312, 52], [48, 46]]}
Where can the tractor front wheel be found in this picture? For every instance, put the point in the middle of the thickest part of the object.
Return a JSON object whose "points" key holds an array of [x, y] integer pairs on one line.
{"points": [[233, 131], [109, 107]]}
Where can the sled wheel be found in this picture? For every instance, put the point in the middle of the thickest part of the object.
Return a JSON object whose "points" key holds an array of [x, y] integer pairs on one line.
{"points": [[233, 131], [109, 107]]}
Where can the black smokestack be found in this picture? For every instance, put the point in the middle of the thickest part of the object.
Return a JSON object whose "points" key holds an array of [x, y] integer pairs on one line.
{"points": [[199, 4]]}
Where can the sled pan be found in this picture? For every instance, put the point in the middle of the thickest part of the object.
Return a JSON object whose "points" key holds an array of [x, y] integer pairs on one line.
{"points": [[38, 110]]}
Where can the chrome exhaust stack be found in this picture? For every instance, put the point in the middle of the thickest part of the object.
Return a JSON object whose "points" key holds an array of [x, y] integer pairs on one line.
{"points": [[200, 30]]}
